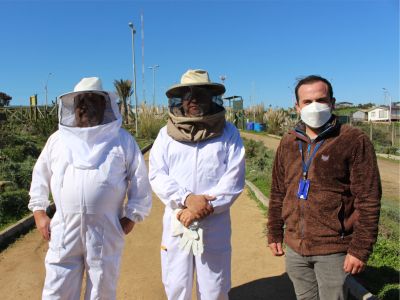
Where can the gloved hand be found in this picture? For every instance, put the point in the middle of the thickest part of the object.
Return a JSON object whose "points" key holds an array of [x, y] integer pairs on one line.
{"points": [[192, 238]]}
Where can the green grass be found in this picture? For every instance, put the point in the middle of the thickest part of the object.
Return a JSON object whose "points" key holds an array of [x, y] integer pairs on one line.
{"points": [[13, 221], [143, 142], [345, 111], [388, 159], [263, 185], [261, 133]]}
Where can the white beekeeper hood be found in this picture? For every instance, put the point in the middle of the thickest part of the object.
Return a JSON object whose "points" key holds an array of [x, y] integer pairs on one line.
{"points": [[84, 145]]}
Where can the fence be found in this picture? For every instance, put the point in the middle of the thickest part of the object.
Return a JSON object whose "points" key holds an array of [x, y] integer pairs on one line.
{"points": [[27, 113]]}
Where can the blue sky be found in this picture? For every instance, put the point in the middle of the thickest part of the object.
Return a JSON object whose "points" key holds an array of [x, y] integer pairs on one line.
{"points": [[269, 43]]}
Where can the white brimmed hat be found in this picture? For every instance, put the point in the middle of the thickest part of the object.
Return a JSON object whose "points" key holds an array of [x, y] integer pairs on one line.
{"points": [[88, 85], [194, 78]]}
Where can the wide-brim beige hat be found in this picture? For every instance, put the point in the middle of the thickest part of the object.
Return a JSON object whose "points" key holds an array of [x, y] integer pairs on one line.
{"points": [[87, 85], [194, 78]]}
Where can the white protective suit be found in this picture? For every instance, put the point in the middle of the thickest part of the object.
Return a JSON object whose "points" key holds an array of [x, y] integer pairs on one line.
{"points": [[213, 167], [88, 171]]}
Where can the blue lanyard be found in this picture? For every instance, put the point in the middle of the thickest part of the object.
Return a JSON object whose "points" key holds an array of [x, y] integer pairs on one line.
{"points": [[305, 167]]}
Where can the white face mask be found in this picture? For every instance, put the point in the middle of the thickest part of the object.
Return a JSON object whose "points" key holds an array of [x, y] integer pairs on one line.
{"points": [[316, 114]]}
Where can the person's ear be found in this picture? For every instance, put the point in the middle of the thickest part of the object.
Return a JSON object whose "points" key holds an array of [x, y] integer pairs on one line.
{"points": [[297, 107], [333, 104]]}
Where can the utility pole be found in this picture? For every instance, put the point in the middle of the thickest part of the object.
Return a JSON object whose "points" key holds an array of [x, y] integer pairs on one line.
{"points": [[144, 86], [254, 99], [134, 79]]}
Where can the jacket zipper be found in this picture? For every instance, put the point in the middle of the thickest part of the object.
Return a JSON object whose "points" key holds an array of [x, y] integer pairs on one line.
{"points": [[302, 203]]}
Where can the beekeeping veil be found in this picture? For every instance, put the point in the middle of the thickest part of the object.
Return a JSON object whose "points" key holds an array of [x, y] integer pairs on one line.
{"points": [[209, 122], [85, 145]]}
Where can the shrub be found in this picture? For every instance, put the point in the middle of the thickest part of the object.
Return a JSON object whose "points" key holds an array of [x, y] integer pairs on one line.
{"points": [[149, 127], [13, 204], [45, 127], [18, 173]]}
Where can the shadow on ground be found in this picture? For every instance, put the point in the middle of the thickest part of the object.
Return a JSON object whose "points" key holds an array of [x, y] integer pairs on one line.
{"points": [[278, 287]]}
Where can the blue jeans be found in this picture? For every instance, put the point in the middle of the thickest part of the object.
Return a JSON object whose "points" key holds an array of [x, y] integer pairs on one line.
{"points": [[319, 277]]}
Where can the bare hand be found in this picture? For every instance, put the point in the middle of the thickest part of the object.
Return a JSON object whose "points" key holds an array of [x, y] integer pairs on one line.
{"points": [[353, 265], [126, 224], [198, 205], [276, 249], [42, 223], [185, 217]]}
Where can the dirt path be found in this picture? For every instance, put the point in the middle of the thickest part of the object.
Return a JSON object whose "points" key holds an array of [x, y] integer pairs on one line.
{"points": [[256, 274], [389, 171]]}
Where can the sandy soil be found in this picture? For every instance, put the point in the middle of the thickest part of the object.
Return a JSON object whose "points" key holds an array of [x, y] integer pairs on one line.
{"points": [[389, 171], [256, 274]]}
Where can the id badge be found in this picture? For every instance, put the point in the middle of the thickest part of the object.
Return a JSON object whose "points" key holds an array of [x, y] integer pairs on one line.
{"points": [[302, 192]]}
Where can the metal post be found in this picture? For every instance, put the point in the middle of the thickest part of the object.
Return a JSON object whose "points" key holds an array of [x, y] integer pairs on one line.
{"points": [[390, 110], [370, 134], [134, 80], [154, 84], [254, 99], [154, 87]]}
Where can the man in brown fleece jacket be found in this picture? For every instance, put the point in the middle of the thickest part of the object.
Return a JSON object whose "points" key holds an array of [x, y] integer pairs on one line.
{"points": [[326, 188]]}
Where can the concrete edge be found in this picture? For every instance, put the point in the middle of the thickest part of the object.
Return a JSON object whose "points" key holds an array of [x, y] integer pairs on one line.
{"points": [[355, 288], [358, 291], [28, 221], [146, 148], [260, 196]]}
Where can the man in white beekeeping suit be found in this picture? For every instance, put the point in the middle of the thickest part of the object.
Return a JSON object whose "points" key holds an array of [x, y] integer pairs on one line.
{"points": [[90, 164], [197, 170]]}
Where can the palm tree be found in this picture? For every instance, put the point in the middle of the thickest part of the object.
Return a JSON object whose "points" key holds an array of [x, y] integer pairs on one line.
{"points": [[124, 90]]}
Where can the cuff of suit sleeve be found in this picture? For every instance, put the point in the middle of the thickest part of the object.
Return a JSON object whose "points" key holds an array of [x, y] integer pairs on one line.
{"points": [[134, 217], [36, 208], [185, 195], [38, 205]]}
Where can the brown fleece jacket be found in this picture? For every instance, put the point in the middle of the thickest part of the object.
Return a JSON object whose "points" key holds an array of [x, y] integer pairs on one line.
{"points": [[341, 213]]}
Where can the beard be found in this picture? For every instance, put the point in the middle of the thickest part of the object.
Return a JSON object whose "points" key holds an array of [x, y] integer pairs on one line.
{"points": [[90, 119]]}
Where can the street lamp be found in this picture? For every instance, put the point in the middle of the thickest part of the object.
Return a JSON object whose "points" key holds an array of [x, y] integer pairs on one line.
{"points": [[154, 84], [390, 106], [292, 97], [45, 87], [134, 79]]}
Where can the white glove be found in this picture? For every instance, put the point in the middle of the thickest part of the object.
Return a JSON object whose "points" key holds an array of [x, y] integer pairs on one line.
{"points": [[193, 238], [176, 226]]}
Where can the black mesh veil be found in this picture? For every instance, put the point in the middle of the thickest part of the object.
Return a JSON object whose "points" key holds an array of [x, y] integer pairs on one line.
{"points": [[175, 105]]}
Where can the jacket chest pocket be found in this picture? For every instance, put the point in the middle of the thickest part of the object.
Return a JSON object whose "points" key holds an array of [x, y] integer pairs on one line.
{"points": [[111, 170], [214, 160]]}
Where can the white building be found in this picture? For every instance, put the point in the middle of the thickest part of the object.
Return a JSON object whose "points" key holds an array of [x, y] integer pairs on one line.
{"points": [[381, 113]]}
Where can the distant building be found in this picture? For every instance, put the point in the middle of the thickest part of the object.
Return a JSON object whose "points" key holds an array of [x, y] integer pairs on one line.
{"points": [[360, 115], [381, 113], [343, 104]]}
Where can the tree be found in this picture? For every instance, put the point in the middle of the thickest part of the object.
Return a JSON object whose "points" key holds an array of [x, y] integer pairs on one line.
{"points": [[4, 99], [123, 89]]}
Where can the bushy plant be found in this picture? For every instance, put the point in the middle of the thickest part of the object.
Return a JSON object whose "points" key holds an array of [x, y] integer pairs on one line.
{"points": [[44, 127], [19, 173], [149, 127], [150, 121], [13, 204], [389, 221], [13, 141]]}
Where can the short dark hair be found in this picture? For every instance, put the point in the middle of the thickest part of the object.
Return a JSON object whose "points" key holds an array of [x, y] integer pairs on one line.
{"points": [[311, 79]]}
